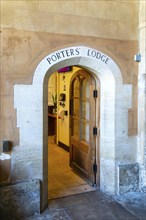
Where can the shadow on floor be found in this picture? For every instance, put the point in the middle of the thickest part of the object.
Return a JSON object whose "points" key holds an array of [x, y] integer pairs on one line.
{"points": [[94, 205]]}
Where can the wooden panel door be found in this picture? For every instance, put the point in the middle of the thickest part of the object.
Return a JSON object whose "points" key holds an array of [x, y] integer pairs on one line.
{"points": [[83, 123]]}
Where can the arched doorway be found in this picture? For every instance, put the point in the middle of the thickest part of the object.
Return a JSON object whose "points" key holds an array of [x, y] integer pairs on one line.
{"points": [[79, 116], [31, 102]]}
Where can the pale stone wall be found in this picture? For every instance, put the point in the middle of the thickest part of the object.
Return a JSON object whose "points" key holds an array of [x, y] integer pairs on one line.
{"points": [[105, 19], [141, 138], [30, 27], [22, 51], [33, 29], [20, 200], [116, 99]]}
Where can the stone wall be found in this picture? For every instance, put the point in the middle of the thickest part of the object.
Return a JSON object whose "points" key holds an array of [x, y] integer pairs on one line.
{"points": [[103, 19], [33, 29], [128, 178], [23, 50], [141, 138]]}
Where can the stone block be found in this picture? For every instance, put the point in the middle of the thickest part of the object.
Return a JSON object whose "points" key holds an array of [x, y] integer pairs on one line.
{"points": [[107, 175], [20, 200], [26, 163], [128, 178], [5, 168], [125, 149]]}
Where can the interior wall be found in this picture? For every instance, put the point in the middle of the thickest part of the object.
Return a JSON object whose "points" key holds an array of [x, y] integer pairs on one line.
{"points": [[62, 80], [63, 120], [52, 88]]}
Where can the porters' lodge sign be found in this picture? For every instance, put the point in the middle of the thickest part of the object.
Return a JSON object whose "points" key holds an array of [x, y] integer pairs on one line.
{"points": [[77, 51]]}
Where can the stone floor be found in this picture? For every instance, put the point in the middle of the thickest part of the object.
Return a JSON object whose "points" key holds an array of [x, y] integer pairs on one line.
{"points": [[95, 205], [71, 198]]}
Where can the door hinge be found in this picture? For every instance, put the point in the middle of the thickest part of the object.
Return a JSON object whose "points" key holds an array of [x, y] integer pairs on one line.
{"points": [[95, 131], [95, 168], [95, 93]]}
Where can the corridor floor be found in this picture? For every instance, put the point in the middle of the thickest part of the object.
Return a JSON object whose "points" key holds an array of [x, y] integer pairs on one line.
{"points": [[62, 180]]}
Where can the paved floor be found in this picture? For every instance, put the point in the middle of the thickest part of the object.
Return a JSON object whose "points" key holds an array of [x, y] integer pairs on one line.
{"points": [[135, 202], [95, 206], [70, 197]]}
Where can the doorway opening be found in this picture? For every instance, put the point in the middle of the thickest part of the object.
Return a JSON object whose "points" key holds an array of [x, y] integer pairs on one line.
{"points": [[72, 169]]}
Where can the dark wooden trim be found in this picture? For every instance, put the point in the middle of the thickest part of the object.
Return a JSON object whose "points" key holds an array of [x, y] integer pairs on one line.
{"points": [[64, 146]]}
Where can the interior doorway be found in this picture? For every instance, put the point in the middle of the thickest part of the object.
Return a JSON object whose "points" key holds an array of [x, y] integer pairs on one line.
{"points": [[74, 171]]}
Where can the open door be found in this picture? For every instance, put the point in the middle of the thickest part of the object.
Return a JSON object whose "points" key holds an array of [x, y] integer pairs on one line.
{"points": [[83, 138]]}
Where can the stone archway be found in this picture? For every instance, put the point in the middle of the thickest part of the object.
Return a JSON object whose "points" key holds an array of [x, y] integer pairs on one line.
{"points": [[31, 102]]}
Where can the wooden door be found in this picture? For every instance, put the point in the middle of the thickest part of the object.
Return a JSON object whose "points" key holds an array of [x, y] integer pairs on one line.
{"points": [[83, 138]]}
